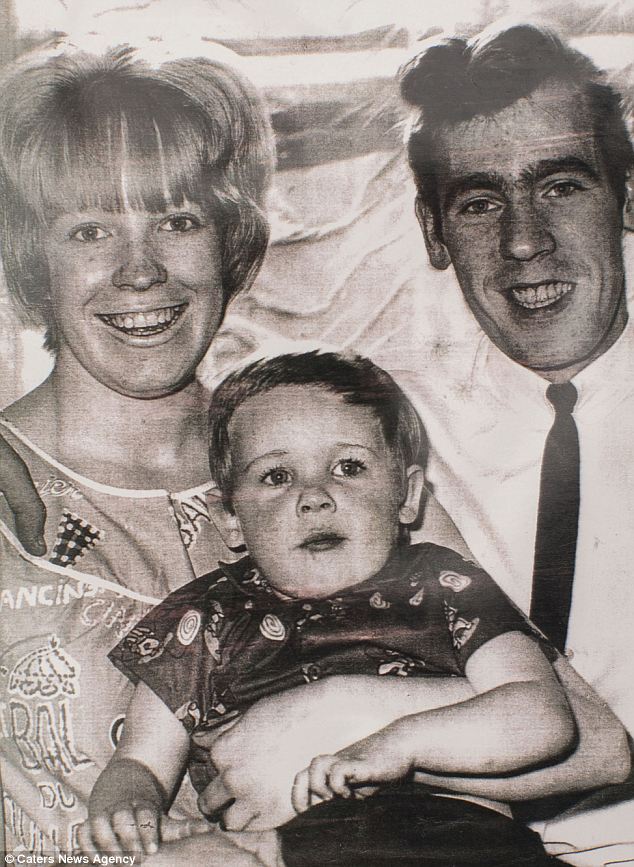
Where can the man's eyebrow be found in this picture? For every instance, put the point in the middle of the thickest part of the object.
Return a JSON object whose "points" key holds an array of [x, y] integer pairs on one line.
{"points": [[476, 181], [545, 168]]}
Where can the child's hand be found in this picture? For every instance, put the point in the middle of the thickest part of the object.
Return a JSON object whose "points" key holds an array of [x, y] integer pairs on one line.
{"points": [[91, 839], [373, 760], [122, 829]]}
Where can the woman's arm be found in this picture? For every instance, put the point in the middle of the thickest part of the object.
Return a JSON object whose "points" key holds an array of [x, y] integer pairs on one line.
{"points": [[519, 718], [23, 499], [134, 789]]}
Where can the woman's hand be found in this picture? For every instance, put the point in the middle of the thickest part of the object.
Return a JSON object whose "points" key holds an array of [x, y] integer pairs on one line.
{"points": [[23, 499]]}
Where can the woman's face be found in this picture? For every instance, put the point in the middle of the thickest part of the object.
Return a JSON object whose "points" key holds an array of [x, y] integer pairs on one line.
{"points": [[136, 296]]}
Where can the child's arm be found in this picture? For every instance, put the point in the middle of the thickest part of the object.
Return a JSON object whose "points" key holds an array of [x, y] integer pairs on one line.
{"points": [[519, 718], [601, 756], [134, 789]]}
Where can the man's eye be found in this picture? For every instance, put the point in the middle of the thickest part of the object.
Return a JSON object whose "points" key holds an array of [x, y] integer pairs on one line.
{"points": [[479, 207], [348, 468], [276, 477], [562, 189], [179, 223], [88, 234]]}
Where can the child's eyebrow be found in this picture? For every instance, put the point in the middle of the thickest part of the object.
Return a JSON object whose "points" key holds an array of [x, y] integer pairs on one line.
{"points": [[357, 446], [279, 453]]}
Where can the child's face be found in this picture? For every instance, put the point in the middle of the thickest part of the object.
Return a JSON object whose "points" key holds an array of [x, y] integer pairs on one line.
{"points": [[317, 493], [136, 296]]}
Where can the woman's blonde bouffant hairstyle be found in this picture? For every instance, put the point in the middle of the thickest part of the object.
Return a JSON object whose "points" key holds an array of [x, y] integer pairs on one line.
{"points": [[84, 131]]}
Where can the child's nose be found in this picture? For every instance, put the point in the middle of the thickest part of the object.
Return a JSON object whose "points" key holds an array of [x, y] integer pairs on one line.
{"points": [[315, 500]]}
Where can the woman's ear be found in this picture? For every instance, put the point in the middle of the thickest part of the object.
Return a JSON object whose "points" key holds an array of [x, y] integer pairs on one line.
{"points": [[408, 511], [436, 250]]}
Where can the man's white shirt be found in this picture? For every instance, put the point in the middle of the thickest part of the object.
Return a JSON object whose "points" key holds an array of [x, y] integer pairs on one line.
{"points": [[487, 419]]}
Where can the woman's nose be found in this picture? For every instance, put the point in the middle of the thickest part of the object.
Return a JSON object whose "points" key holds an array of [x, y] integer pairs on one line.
{"points": [[139, 271], [315, 501]]}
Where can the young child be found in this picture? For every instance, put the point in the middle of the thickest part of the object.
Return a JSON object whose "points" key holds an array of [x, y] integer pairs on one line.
{"points": [[320, 461]]}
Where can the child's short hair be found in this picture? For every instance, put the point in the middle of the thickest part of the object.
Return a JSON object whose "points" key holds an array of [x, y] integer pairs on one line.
{"points": [[356, 379], [106, 131]]}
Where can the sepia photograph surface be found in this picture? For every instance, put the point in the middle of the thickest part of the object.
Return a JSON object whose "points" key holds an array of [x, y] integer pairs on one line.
{"points": [[317, 433]]}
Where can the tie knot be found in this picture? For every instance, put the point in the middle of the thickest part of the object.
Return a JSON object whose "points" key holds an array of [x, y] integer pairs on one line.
{"points": [[563, 396]]}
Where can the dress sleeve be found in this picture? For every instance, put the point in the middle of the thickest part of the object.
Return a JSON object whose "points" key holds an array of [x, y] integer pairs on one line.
{"points": [[166, 651], [476, 609]]}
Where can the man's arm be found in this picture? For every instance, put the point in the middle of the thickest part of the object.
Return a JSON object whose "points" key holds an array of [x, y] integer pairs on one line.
{"points": [[22, 498], [258, 757]]}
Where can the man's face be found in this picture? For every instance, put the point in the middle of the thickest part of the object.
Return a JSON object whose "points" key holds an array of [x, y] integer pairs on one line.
{"points": [[533, 230], [316, 490]]}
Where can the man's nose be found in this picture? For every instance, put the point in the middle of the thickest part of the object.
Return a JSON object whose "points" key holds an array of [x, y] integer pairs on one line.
{"points": [[315, 500], [140, 269], [525, 234]]}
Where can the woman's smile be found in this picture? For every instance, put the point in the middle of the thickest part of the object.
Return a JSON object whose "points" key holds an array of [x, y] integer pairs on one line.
{"points": [[144, 323]]}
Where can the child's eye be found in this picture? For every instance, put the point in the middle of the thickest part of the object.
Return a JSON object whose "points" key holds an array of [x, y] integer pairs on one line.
{"points": [[276, 477], [88, 234], [179, 223], [348, 468]]}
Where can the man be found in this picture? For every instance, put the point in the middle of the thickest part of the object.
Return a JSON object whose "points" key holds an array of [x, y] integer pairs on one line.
{"points": [[520, 156]]}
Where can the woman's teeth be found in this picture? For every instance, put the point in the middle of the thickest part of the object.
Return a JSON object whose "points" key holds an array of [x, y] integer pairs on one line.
{"points": [[543, 295], [144, 324]]}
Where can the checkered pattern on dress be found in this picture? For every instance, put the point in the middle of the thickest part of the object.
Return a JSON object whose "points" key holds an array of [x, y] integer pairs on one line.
{"points": [[74, 536]]}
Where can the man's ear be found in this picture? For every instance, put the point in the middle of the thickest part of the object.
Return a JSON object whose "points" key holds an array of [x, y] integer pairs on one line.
{"points": [[436, 250], [408, 511], [628, 209]]}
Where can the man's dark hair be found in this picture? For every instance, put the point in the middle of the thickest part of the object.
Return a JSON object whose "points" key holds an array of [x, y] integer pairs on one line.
{"points": [[457, 80], [356, 379]]}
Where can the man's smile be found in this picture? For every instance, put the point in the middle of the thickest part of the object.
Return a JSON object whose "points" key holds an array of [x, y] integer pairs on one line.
{"points": [[537, 295], [145, 323]]}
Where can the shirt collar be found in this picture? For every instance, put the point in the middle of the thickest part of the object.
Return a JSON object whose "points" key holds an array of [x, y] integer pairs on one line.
{"points": [[609, 377]]}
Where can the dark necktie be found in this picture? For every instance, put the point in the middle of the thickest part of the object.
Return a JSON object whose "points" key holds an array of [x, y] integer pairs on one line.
{"points": [[557, 519]]}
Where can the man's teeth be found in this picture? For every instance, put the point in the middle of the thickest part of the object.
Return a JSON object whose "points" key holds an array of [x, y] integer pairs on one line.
{"points": [[543, 295], [142, 324]]}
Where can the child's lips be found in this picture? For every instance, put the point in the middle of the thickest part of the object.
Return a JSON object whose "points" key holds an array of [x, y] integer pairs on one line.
{"points": [[322, 540]]}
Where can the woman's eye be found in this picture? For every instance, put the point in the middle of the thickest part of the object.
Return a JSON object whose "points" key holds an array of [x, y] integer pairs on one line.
{"points": [[89, 234], [276, 477], [562, 189], [479, 207], [348, 468], [179, 223]]}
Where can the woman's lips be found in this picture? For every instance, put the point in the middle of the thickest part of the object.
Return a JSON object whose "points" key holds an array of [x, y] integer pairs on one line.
{"points": [[145, 323], [322, 541], [540, 294]]}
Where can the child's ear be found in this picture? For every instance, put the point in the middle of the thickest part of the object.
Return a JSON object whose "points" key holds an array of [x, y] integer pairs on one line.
{"points": [[233, 531], [408, 511]]}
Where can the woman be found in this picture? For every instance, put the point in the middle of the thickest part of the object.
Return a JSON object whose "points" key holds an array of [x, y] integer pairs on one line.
{"points": [[132, 212]]}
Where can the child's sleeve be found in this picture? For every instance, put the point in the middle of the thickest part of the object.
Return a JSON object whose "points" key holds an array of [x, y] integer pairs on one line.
{"points": [[476, 609], [166, 651]]}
